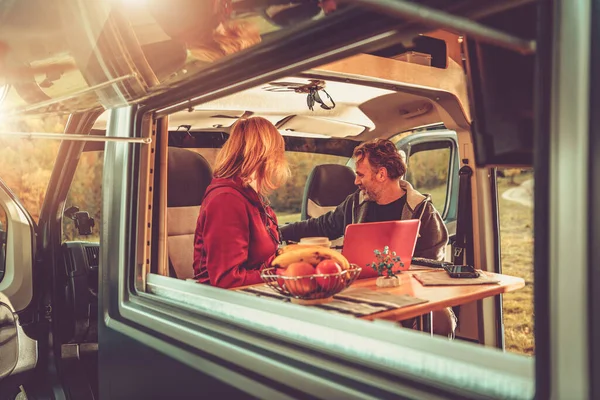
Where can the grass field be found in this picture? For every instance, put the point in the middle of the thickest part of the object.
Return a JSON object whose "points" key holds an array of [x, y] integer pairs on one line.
{"points": [[516, 245]]}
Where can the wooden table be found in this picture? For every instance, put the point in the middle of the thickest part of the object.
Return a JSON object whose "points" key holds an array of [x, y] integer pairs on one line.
{"points": [[439, 297]]}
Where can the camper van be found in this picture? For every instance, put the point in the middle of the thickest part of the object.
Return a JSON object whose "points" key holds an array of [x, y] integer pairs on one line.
{"points": [[113, 113]]}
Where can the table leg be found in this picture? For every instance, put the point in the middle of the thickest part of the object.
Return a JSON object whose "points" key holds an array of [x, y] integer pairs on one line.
{"points": [[427, 322], [423, 323]]}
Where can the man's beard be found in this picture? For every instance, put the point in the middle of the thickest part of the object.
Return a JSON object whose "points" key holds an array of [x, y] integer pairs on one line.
{"points": [[370, 196], [365, 195]]}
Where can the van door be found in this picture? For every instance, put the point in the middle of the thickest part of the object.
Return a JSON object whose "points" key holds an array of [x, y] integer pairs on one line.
{"points": [[433, 163], [18, 350], [432, 167]]}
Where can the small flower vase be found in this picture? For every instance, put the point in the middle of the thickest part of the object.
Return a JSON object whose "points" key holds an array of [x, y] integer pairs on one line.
{"points": [[385, 263], [387, 281]]}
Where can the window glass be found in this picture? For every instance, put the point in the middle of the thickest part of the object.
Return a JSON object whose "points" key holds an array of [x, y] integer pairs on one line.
{"points": [[428, 171], [430, 164], [3, 233], [85, 193], [287, 200], [515, 199], [176, 38]]}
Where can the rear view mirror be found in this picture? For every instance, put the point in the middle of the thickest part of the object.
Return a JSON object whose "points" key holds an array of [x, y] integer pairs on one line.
{"points": [[9, 341]]}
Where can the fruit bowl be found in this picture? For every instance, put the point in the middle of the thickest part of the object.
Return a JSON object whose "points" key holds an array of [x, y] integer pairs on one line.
{"points": [[310, 289]]}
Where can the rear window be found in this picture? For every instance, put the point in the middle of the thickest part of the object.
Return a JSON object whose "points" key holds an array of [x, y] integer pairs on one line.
{"points": [[286, 201]]}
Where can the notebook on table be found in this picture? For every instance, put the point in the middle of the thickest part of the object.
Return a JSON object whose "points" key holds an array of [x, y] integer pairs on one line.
{"points": [[360, 241]]}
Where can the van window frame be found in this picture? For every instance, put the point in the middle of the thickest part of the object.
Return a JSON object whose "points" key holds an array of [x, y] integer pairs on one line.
{"points": [[158, 319], [4, 222], [437, 144], [256, 334], [163, 312]]}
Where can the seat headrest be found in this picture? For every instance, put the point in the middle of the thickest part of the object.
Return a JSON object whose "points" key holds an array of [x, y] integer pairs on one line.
{"points": [[189, 174], [328, 185]]}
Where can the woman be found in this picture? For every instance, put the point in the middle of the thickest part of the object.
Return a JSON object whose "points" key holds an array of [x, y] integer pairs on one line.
{"points": [[237, 234]]}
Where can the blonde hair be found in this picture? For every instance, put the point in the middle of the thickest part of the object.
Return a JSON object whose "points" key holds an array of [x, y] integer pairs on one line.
{"points": [[254, 147]]}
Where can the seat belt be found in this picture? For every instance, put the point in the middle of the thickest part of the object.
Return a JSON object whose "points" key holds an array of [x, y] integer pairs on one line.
{"points": [[463, 243]]}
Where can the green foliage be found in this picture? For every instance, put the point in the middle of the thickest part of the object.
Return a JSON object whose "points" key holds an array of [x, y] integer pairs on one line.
{"points": [[428, 173], [428, 169], [288, 198], [25, 164]]}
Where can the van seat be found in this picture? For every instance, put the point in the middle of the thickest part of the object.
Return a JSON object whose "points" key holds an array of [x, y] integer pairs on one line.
{"points": [[188, 176], [327, 186]]}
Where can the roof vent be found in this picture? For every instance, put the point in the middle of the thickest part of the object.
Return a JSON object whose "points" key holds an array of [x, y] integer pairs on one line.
{"points": [[312, 89]]}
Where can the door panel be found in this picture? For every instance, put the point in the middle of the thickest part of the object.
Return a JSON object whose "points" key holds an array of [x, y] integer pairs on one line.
{"points": [[17, 282], [147, 373], [426, 152], [18, 352], [132, 362]]}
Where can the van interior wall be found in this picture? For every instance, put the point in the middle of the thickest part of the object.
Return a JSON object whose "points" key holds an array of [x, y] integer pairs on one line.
{"points": [[424, 96], [451, 79]]}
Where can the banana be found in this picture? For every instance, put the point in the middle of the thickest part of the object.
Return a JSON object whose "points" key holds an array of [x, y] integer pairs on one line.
{"points": [[310, 254], [337, 256], [297, 255], [290, 247]]}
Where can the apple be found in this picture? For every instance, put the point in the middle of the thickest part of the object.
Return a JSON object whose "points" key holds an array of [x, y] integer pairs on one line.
{"points": [[328, 267], [303, 286], [280, 281]]}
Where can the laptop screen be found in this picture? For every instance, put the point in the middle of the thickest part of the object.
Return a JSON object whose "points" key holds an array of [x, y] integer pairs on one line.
{"points": [[361, 240]]}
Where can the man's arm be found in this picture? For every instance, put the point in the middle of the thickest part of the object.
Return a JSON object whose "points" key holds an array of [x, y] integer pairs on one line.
{"points": [[330, 225], [433, 235]]}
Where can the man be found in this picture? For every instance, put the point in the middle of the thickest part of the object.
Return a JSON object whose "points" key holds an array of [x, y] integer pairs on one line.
{"points": [[383, 196]]}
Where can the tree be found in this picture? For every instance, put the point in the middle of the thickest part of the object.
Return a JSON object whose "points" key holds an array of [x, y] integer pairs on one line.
{"points": [[25, 164]]}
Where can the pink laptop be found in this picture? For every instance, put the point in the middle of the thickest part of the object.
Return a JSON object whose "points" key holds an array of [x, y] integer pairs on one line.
{"points": [[361, 239]]}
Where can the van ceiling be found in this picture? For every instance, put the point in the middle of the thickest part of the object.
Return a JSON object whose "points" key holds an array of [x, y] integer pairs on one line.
{"points": [[280, 107], [361, 111]]}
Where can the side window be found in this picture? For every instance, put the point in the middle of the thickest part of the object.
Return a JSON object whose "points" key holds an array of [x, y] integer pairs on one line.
{"points": [[85, 194], [287, 200], [3, 232], [429, 170]]}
